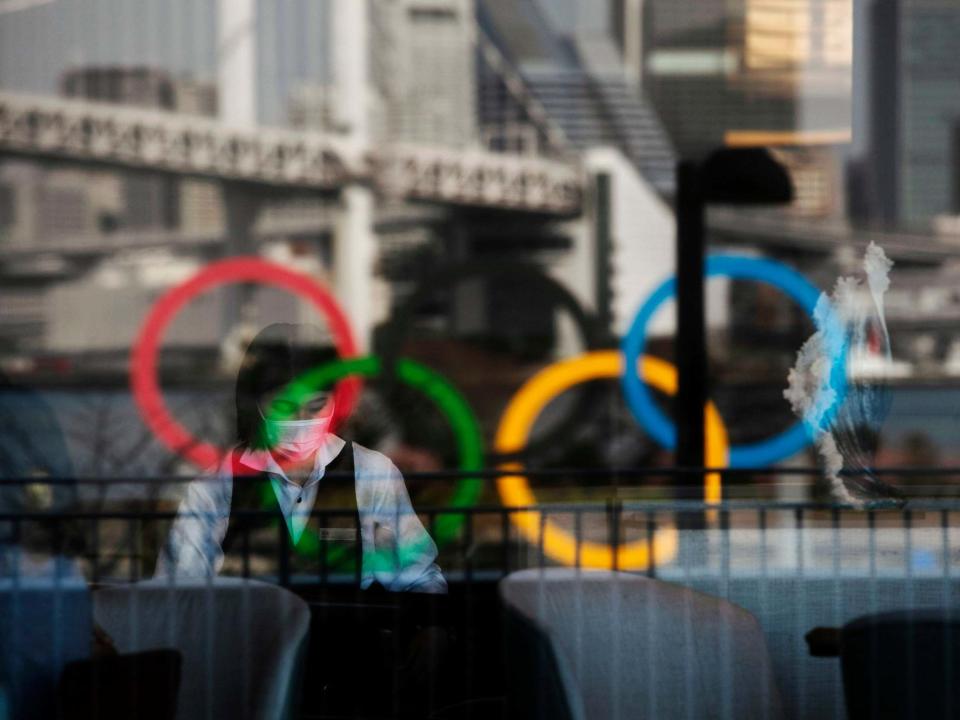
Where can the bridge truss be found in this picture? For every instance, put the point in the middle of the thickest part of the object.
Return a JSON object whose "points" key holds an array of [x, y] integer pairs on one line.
{"points": [[122, 136]]}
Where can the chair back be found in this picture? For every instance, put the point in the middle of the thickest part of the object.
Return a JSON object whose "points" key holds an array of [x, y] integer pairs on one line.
{"points": [[902, 664], [595, 644], [242, 641]]}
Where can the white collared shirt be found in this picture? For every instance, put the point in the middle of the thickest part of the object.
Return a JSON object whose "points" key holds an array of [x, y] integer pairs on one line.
{"points": [[295, 501], [397, 550]]}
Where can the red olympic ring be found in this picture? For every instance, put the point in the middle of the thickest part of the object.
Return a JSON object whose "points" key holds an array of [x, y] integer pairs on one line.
{"points": [[143, 355]]}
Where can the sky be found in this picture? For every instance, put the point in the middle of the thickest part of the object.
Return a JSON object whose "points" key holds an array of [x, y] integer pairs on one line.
{"points": [[39, 42]]}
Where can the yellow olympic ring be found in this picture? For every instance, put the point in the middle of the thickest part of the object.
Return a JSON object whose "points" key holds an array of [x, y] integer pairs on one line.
{"points": [[515, 427]]}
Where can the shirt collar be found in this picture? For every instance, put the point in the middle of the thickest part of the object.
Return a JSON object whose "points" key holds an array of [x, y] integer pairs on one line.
{"points": [[263, 460]]}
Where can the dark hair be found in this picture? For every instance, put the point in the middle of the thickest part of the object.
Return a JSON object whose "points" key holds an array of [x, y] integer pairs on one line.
{"points": [[277, 355]]}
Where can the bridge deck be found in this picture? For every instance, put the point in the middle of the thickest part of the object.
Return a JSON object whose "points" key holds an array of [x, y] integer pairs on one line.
{"points": [[169, 142]]}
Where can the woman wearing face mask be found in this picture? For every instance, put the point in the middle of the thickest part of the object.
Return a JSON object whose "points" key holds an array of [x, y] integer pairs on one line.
{"points": [[286, 472]]}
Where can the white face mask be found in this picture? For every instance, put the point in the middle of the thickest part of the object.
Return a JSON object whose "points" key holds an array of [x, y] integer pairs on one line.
{"points": [[298, 440]]}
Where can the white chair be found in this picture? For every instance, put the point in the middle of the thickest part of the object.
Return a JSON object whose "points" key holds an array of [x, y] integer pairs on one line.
{"points": [[598, 645], [242, 641]]}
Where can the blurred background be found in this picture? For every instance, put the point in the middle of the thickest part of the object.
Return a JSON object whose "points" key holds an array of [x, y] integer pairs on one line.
{"points": [[485, 186]]}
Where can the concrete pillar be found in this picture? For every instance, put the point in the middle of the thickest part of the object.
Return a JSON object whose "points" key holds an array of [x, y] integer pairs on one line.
{"points": [[633, 39], [576, 272], [241, 206], [237, 107], [468, 311], [351, 66], [354, 242], [353, 259], [237, 62]]}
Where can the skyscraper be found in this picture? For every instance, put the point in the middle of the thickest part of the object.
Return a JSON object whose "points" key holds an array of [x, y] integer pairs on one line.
{"points": [[149, 200], [909, 174], [721, 72], [429, 68], [571, 61]]}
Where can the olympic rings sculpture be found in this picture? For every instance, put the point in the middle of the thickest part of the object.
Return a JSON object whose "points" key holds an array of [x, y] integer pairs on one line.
{"points": [[514, 490], [652, 419], [454, 406], [143, 357], [514, 428], [592, 335]]}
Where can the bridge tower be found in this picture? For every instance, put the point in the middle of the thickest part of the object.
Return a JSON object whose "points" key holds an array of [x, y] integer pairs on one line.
{"points": [[237, 62], [353, 246], [237, 108]]}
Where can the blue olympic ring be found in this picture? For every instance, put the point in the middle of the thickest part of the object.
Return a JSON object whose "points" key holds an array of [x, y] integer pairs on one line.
{"points": [[759, 454]]}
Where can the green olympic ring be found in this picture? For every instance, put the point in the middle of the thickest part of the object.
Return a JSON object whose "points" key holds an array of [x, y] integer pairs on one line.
{"points": [[448, 399]]}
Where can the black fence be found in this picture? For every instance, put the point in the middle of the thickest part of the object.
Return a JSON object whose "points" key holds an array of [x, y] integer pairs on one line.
{"points": [[117, 536], [794, 564]]}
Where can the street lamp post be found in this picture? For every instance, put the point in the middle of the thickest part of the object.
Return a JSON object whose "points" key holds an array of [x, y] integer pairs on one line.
{"points": [[747, 176]]}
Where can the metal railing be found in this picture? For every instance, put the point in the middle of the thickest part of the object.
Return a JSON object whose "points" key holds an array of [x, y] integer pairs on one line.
{"points": [[759, 527], [794, 564]]}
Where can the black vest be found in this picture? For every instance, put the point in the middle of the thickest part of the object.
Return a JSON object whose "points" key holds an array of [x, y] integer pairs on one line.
{"points": [[257, 541]]}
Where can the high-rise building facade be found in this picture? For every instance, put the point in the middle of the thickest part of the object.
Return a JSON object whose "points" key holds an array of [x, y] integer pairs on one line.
{"points": [[909, 175], [723, 72], [426, 71], [149, 200]]}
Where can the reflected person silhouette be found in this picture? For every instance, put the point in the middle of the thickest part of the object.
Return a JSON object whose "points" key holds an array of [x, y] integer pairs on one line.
{"points": [[289, 470]]}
